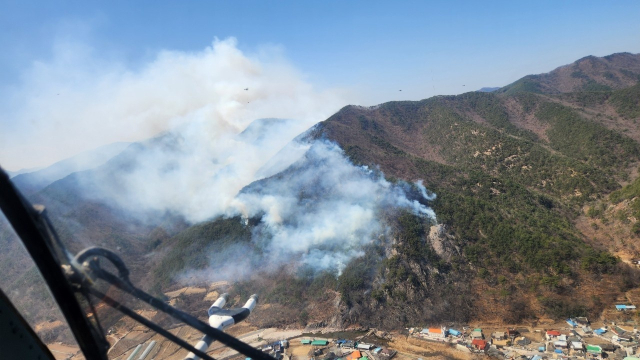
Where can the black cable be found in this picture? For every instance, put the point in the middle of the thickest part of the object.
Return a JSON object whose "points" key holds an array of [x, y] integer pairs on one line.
{"points": [[32, 228], [122, 282], [95, 314], [216, 334], [144, 321]]}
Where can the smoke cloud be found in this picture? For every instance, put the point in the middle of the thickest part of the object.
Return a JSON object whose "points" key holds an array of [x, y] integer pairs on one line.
{"points": [[319, 213], [208, 156], [78, 101], [325, 208]]}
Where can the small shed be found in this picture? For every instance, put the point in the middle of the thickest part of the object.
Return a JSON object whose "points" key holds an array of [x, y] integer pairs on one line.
{"points": [[576, 345], [454, 332], [320, 343], [388, 353], [594, 349], [363, 346], [348, 344], [560, 344], [305, 341]]}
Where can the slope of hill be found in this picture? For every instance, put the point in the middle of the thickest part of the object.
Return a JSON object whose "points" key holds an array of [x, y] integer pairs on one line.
{"points": [[512, 171], [33, 181], [590, 73], [528, 180]]}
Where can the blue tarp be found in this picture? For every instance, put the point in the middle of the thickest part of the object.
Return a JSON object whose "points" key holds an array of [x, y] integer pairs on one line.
{"points": [[599, 331], [454, 332], [541, 348], [621, 307], [558, 351], [572, 323]]}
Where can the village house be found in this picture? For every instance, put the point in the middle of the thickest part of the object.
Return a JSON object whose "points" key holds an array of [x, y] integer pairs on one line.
{"points": [[500, 344], [560, 344], [582, 321], [438, 333], [522, 341], [499, 335], [479, 344], [552, 334], [434, 333], [477, 334]]}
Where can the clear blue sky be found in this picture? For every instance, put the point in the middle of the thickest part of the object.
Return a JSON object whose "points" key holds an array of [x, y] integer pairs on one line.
{"points": [[423, 47]]}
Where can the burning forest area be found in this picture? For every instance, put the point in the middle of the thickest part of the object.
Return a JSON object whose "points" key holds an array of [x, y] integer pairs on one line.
{"points": [[196, 191]]}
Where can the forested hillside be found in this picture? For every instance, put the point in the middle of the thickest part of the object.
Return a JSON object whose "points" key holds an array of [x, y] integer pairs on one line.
{"points": [[515, 171], [537, 211]]}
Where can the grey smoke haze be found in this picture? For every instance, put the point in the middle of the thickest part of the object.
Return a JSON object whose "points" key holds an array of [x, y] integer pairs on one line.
{"points": [[319, 213], [324, 208], [213, 159], [78, 101]]}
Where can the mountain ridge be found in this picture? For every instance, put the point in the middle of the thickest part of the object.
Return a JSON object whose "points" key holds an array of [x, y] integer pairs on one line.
{"points": [[590, 73], [515, 172]]}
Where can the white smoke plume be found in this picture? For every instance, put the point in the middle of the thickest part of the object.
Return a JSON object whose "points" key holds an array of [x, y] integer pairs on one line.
{"points": [[324, 208], [78, 101], [320, 213], [212, 157]]}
